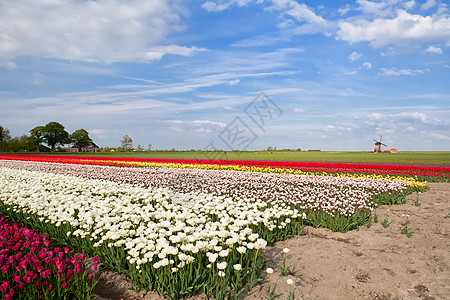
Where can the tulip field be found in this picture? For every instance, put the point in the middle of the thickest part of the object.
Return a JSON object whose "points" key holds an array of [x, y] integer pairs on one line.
{"points": [[432, 173], [178, 227]]}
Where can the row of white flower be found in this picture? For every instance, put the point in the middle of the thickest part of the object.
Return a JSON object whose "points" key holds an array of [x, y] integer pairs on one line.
{"points": [[318, 193], [153, 225]]}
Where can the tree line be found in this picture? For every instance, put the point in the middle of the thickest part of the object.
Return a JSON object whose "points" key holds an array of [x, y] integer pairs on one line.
{"points": [[52, 135]]}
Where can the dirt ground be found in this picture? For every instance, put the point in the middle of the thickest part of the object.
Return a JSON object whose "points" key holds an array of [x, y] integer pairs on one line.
{"points": [[369, 263]]}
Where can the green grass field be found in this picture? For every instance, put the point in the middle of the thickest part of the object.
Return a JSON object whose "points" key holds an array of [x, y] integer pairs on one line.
{"points": [[440, 158]]}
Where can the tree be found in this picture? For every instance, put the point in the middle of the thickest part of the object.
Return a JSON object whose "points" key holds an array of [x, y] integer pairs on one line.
{"points": [[23, 143], [4, 137], [37, 136], [149, 147], [54, 134], [127, 143], [80, 138]]}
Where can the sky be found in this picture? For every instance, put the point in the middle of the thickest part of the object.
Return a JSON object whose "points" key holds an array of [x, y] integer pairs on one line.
{"points": [[230, 74]]}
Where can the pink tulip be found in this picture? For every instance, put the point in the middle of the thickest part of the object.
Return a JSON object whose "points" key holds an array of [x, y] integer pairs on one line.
{"points": [[9, 296], [5, 284]]}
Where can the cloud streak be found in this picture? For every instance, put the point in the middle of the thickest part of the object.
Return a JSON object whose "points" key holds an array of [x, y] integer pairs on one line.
{"points": [[397, 72]]}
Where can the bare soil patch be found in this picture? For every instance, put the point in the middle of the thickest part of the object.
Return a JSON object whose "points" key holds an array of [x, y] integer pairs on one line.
{"points": [[370, 263]]}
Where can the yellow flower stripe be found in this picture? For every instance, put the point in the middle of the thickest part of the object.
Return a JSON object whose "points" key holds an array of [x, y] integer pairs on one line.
{"points": [[410, 180]]}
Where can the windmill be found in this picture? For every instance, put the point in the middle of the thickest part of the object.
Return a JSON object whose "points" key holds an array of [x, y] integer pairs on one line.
{"points": [[378, 145]]}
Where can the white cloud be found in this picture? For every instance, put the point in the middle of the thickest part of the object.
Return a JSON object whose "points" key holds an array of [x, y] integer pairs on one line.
{"points": [[303, 13], [433, 49], [8, 65], [209, 123], [257, 41], [195, 126], [367, 65], [409, 4], [97, 31], [382, 8], [299, 110], [427, 5], [222, 5], [156, 53], [342, 11], [390, 52], [234, 82], [354, 56], [102, 133], [402, 29], [412, 117], [351, 73], [312, 23], [39, 79], [214, 7], [397, 72], [439, 136], [442, 9]]}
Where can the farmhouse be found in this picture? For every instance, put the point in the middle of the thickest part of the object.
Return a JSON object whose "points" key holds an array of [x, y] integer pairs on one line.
{"points": [[92, 147]]}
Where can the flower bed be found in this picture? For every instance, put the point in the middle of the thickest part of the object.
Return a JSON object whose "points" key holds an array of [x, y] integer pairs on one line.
{"points": [[32, 269], [175, 243], [337, 203], [181, 230], [418, 173]]}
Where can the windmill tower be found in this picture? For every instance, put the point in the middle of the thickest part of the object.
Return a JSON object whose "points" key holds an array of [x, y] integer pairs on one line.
{"points": [[378, 145]]}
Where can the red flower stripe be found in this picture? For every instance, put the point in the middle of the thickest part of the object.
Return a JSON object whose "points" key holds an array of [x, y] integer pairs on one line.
{"points": [[328, 167]]}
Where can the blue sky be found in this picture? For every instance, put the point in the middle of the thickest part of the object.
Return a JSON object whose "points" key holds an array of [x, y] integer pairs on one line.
{"points": [[240, 74]]}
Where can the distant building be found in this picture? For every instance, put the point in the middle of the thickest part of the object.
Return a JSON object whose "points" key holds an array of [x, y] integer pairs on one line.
{"points": [[92, 147], [43, 148]]}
